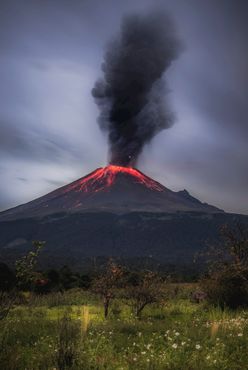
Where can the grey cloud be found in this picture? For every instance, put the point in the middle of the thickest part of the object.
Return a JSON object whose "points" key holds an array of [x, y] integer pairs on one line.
{"points": [[18, 141], [54, 182], [205, 151]]}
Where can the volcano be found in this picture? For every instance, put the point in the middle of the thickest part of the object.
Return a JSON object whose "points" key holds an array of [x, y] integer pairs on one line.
{"points": [[113, 189], [113, 211]]}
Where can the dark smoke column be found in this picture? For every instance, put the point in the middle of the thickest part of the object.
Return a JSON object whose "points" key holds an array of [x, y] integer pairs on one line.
{"points": [[131, 95]]}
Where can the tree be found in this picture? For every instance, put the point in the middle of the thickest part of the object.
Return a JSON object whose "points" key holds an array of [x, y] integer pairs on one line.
{"points": [[7, 300], [226, 282], [7, 278], [7, 283], [25, 273], [107, 283], [147, 290]]}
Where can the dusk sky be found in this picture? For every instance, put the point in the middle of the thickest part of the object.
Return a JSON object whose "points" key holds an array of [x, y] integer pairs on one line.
{"points": [[50, 57]]}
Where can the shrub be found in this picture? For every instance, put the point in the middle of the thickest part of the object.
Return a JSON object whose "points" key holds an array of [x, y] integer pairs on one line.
{"points": [[227, 281], [227, 287]]}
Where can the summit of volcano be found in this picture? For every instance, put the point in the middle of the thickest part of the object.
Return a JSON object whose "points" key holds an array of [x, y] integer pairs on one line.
{"points": [[112, 189]]}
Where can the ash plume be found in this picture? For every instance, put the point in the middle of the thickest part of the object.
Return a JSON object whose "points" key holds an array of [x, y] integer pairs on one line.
{"points": [[132, 93]]}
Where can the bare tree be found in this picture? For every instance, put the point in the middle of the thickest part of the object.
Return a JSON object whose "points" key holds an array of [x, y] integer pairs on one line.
{"points": [[107, 283], [149, 289]]}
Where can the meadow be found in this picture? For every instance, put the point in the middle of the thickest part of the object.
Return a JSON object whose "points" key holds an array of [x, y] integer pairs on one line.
{"points": [[68, 331]]}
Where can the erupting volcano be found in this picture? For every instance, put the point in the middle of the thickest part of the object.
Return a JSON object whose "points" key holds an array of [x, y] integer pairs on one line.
{"points": [[112, 189], [104, 178], [118, 210]]}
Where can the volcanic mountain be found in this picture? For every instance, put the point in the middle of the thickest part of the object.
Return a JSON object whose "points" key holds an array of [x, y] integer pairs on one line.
{"points": [[112, 189], [114, 211]]}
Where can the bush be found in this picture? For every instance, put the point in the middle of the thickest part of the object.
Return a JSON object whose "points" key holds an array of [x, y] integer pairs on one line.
{"points": [[227, 280], [228, 287]]}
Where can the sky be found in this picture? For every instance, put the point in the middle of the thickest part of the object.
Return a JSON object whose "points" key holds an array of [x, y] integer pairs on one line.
{"points": [[50, 57]]}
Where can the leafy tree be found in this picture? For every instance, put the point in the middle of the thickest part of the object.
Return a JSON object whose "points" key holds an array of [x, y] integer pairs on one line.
{"points": [[107, 283], [25, 276], [25, 266], [148, 289], [226, 283]]}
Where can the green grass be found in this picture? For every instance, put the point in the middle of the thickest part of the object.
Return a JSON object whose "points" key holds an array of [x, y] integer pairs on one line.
{"points": [[69, 332]]}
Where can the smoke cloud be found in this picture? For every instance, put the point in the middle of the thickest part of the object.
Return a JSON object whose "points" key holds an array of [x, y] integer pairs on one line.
{"points": [[132, 93]]}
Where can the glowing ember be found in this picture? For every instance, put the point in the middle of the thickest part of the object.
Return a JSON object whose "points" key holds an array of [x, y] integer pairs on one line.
{"points": [[105, 177]]}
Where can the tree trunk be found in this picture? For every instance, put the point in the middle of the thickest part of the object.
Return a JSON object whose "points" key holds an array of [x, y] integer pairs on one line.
{"points": [[139, 309]]}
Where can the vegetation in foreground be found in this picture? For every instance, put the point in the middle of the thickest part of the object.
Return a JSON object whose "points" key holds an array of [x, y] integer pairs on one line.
{"points": [[127, 320], [68, 331]]}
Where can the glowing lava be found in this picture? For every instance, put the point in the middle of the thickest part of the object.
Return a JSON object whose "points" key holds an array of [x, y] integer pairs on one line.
{"points": [[103, 178]]}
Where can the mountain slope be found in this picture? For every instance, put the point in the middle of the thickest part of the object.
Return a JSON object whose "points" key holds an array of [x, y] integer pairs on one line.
{"points": [[75, 238], [113, 189]]}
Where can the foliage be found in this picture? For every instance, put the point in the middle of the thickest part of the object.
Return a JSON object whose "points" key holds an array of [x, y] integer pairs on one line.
{"points": [[106, 283], [227, 281], [146, 290], [25, 273], [179, 335], [24, 276]]}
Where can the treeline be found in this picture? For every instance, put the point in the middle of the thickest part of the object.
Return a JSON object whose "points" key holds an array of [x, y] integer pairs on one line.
{"points": [[224, 283], [45, 281], [64, 278]]}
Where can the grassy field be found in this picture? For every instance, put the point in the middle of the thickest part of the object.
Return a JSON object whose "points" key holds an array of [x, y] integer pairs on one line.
{"points": [[68, 331]]}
